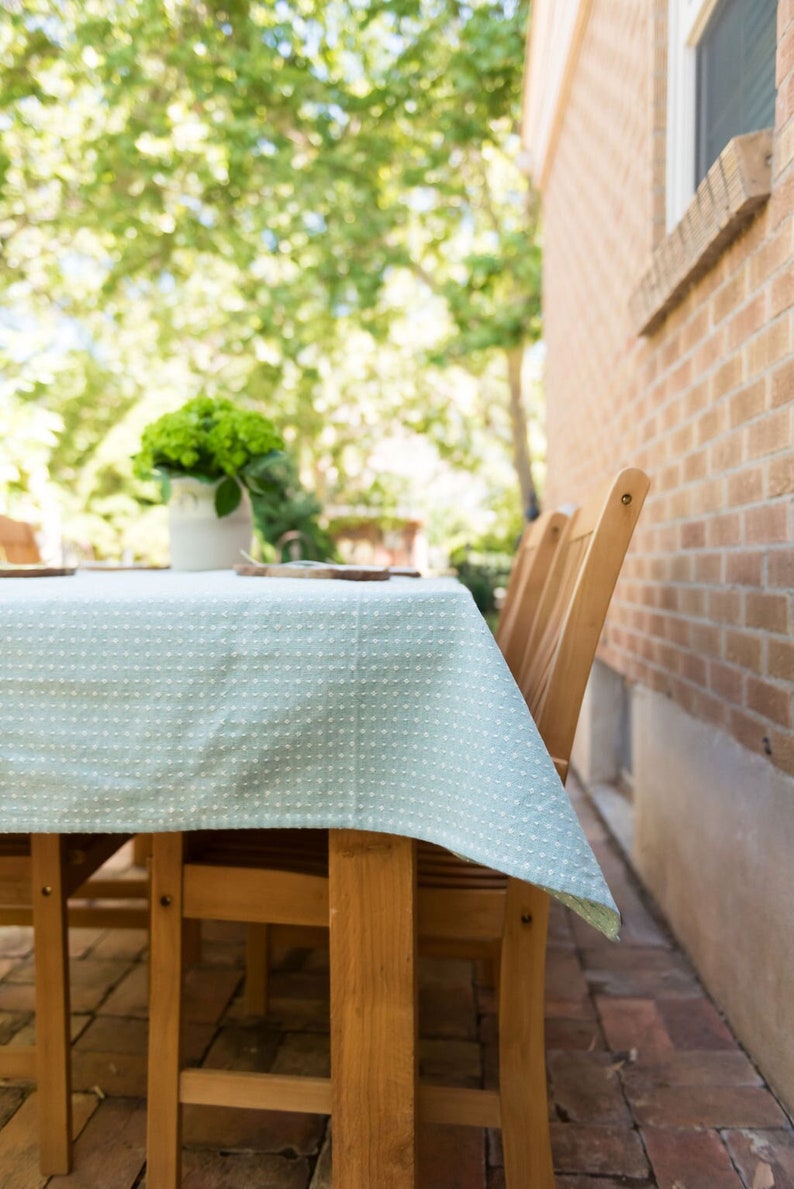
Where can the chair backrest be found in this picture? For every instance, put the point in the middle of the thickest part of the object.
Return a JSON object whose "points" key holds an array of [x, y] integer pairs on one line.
{"points": [[561, 644], [527, 578], [18, 542]]}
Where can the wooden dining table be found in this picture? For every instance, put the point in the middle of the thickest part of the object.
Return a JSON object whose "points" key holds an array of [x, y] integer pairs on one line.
{"points": [[137, 702]]}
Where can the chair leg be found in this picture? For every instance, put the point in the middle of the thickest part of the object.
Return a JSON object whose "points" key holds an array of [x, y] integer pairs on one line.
{"points": [[141, 849], [257, 969], [522, 1058], [53, 1069], [164, 1115]]}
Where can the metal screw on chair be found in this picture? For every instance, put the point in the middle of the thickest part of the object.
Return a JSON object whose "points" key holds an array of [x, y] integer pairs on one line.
{"points": [[625, 498], [526, 918], [46, 890], [165, 901]]}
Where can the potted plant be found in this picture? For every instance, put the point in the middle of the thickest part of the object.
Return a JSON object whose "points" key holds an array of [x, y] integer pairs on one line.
{"points": [[207, 456]]}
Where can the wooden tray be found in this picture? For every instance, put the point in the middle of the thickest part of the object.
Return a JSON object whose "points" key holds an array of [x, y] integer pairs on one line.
{"points": [[36, 571], [314, 570]]}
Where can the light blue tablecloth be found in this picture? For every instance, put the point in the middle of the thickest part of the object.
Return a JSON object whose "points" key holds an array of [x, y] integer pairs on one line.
{"points": [[147, 701]]}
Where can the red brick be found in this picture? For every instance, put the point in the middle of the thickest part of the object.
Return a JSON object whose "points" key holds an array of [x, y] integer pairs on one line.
{"points": [[743, 649], [695, 1024], [781, 292], [746, 486], [725, 606], [782, 387], [727, 453], [749, 731], [781, 568], [781, 750], [692, 602], [706, 638], [708, 568], [767, 524], [775, 1149], [696, 398], [586, 1089], [695, 466], [450, 1156], [767, 611], [693, 535], [707, 1106], [747, 403], [780, 476], [772, 701], [744, 567], [711, 423], [725, 530], [727, 377], [780, 662], [747, 321], [710, 709], [600, 1151], [690, 1158], [769, 434], [772, 255], [631, 1023], [729, 296], [771, 345], [573, 1034], [726, 681]]}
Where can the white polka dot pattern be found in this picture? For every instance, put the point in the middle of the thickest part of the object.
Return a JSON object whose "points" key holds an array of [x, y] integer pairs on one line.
{"points": [[140, 701]]}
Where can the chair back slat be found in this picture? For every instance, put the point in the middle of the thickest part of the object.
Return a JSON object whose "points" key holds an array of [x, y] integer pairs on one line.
{"points": [[527, 578], [559, 651], [18, 542]]}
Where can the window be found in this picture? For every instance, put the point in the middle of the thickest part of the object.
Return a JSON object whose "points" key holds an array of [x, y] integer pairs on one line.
{"points": [[735, 76], [721, 83]]}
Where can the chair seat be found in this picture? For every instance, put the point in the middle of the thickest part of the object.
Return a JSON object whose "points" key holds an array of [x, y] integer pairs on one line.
{"points": [[305, 852]]}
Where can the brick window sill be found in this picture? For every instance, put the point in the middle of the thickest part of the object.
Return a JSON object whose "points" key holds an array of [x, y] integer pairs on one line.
{"points": [[730, 195]]}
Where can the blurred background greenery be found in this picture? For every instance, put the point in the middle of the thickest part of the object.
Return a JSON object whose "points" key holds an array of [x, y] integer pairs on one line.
{"points": [[314, 209]]}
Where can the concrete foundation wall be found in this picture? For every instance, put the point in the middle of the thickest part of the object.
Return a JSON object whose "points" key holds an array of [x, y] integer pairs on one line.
{"points": [[714, 841]]}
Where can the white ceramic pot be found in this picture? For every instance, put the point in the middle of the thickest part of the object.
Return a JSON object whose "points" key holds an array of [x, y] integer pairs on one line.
{"points": [[200, 540]]}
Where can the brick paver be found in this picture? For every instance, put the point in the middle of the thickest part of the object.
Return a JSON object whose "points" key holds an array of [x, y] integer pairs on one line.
{"points": [[648, 1087]]}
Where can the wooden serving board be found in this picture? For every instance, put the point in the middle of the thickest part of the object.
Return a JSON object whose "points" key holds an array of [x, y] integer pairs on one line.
{"points": [[293, 570], [36, 571]]}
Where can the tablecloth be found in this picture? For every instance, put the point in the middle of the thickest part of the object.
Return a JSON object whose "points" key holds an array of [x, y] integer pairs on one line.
{"points": [[151, 701]]}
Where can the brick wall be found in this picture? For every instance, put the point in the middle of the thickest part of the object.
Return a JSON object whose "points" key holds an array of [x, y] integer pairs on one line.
{"points": [[704, 609]]}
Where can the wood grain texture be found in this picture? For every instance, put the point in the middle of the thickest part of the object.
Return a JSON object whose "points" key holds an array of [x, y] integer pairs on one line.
{"points": [[373, 1009], [522, 1059], [296, 570], [53, 1057], [164, 1125]]}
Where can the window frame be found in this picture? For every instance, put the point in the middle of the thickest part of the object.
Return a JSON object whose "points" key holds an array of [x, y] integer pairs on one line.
{"points": [[687, 20]]}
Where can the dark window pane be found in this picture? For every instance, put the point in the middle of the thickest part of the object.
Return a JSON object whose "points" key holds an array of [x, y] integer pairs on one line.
{"points": [[735, 76]]}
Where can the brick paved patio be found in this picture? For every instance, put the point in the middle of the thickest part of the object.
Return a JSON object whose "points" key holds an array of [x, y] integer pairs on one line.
{"points": [[648, 1086]]}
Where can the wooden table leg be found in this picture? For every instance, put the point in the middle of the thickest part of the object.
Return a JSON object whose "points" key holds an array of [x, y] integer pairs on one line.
{"points": [[53, 1069], [373, 1010], [164, 1114]]}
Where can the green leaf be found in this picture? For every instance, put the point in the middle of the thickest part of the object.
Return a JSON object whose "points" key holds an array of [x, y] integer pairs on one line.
{"points": [[228, 496]]}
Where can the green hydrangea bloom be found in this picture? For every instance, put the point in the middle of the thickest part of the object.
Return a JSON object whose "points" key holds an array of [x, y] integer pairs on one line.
{"points": [[207, 438]]}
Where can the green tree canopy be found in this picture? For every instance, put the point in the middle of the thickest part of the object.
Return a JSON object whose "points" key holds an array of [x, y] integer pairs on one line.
{"points": [[311, 208]]}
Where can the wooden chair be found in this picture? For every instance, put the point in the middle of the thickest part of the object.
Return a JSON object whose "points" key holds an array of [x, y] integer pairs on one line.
{"points": [[18, 542], [46, 881], [519, 611], [281, 876], [38, 874], [527, 578]]}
